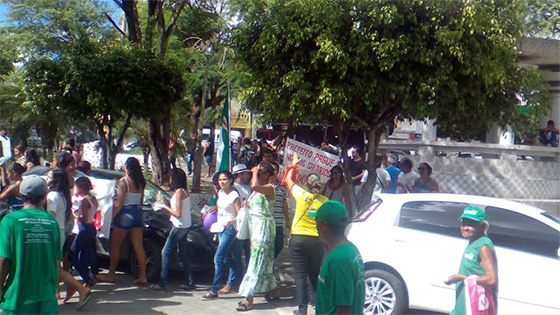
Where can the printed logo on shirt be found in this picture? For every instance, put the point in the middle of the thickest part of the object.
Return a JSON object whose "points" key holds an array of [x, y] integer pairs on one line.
{"points": [[469, 256]]}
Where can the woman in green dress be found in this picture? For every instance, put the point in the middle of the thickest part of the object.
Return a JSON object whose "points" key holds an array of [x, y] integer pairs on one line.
{"points": [[259, 277], [479, 259]]}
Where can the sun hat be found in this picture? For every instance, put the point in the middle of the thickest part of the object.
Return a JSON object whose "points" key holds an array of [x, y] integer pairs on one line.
{"points": [[332, 212], [33, 186], [240, 168], [474, 213]]}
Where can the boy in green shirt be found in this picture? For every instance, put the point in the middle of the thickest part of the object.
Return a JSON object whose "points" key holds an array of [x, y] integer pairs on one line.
{"points": [[341, 286], [29, 254]]}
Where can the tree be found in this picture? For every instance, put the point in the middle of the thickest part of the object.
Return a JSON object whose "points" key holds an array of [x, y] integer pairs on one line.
{"points": [[543, 18], [363, 63], [105, 86]]}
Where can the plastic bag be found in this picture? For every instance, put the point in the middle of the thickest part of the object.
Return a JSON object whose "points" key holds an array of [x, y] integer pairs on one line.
{"points": [[479, 300]]}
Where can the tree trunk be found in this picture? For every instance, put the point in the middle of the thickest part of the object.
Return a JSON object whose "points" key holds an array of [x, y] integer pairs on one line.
{"points": [[103, 146], [132, 22], [374, 136], [158, 149]]}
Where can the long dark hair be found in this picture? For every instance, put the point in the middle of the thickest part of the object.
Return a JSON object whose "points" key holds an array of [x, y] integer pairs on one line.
{"points": [[178, 179], [59, 183], [337, 168], [63, 159], [134, 171], [32, 156]]}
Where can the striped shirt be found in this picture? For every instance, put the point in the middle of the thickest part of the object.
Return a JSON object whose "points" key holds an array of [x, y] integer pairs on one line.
{"points": [[279, 205]]}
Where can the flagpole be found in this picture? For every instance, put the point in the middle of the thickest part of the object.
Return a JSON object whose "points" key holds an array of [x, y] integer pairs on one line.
{"points": [[229, 127]]}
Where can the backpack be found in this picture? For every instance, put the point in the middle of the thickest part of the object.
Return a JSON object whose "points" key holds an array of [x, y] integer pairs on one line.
{"points": [[247, 157]]}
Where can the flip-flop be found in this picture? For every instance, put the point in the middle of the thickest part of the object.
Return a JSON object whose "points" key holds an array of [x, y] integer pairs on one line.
{"points": [[269, 298], [69, 294], [85, 301], [155, 288], [243, 307]]}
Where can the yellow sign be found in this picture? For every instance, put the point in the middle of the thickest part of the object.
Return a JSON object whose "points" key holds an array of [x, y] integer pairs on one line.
{"points": [[241, 120]]}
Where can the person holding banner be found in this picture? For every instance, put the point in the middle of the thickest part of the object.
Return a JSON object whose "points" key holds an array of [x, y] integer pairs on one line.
{"points": [[306, 249]]}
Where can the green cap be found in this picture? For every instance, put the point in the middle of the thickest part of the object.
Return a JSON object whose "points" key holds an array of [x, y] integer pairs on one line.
{"points": [[474, 213], [332, 212]]}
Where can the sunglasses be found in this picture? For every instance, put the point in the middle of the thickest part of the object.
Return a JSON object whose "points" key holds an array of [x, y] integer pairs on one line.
{"points": [[336, 173]]}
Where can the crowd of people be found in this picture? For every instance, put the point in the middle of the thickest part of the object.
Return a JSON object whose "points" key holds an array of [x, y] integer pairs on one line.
{"points": [[252, 216]]}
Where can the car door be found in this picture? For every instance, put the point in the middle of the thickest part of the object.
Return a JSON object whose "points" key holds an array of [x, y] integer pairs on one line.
{"points": [[528, 263], [429, 235]]}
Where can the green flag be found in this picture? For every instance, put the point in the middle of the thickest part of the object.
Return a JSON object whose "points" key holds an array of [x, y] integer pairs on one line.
{"points": [[223, 156]]}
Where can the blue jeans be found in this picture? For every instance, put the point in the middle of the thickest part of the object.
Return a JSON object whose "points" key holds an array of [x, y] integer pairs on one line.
{"points": [[83, 254], [228, 254], [190, 162], [177, 238]]}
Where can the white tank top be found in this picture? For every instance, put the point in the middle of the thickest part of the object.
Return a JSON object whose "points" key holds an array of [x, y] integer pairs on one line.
{"points": [[185, 220], [131, 198]]}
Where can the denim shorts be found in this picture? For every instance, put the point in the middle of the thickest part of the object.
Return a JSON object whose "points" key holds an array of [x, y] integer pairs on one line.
{"points": [[129, 217]]}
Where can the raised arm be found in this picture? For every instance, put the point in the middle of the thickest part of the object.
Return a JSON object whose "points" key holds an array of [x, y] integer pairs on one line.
{"points": [[290, 182], [267, 189]]}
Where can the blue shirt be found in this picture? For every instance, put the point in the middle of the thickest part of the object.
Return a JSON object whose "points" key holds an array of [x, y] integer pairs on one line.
{"points": [[394, 174]]}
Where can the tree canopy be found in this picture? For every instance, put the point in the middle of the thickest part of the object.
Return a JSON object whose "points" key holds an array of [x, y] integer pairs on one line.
{"points": [[370, 61]]}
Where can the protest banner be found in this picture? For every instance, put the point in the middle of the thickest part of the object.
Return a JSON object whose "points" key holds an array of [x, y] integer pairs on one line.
{"points": [[312, 160]]}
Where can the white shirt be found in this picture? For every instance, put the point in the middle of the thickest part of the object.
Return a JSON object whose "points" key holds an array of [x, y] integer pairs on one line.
{"points": [[226, 210], [408, 179], [382, 175], [185, 221], [6, 149], [57, 204], [244, 191]]}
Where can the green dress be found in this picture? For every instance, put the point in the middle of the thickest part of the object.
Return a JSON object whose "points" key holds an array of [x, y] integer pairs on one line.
{"points": [[470, 265], [259, 277]]}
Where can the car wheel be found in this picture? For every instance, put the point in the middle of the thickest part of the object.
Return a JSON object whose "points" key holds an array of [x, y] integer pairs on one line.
{"points": [[153, 261], [385, 293]]}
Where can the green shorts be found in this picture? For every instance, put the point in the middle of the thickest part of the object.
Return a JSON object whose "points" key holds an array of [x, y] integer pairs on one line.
{"points": [[43, 307]]}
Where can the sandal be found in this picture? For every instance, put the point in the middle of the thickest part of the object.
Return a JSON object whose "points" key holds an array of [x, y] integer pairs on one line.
{"points": [[210, 296], [69, 294], [187, 287], [243, 306], [272, 295], [226, 290], [83, 302], [155, 288]]}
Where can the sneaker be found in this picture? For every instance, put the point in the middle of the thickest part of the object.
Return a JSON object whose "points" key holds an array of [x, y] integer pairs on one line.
{"points": [[210, 296]]}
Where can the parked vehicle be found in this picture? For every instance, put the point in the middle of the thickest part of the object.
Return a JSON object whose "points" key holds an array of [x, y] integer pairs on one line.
{"points": [[411, 244], [157, 227]]}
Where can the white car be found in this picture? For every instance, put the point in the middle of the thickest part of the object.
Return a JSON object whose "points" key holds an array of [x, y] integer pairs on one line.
{"points": [[411, 243]]}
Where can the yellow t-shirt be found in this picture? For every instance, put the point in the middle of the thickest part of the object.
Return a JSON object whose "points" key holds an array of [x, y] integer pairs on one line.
{"points": [[303, 224]]}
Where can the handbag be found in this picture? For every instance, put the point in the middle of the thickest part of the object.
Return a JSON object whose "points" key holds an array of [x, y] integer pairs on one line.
{"points": [[242, 223]]}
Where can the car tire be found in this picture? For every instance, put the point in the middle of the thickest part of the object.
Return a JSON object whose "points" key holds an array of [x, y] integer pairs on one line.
{"points": [[153, 261], [385, 293]]}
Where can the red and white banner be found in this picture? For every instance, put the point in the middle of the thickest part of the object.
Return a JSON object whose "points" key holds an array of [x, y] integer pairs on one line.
{"points": [[312, 160]]}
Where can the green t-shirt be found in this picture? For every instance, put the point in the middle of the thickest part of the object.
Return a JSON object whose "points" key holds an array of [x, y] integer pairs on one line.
{"points": [[470, 265], [341, 281], [30, 239]]}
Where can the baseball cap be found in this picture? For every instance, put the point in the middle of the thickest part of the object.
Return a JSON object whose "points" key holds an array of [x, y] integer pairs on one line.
{"points": [[332, 212], [240, 168], [33, 186], [474, 213]]}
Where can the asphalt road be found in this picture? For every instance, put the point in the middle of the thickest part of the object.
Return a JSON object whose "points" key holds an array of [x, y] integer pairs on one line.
{"points": [[124, 297]]}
